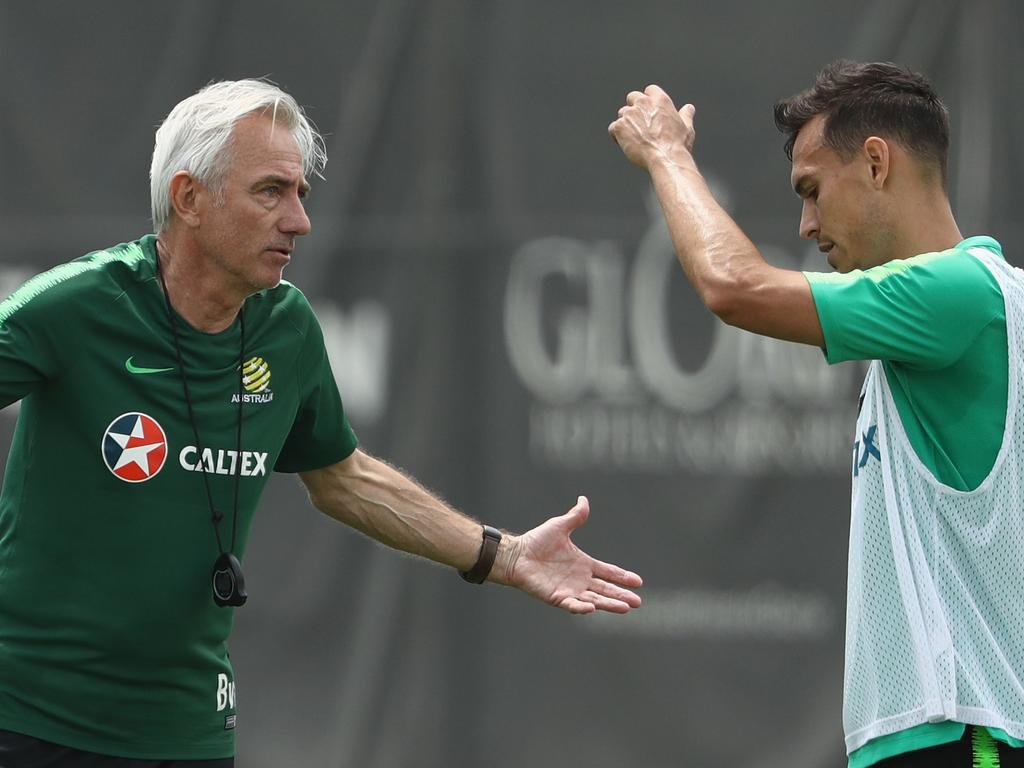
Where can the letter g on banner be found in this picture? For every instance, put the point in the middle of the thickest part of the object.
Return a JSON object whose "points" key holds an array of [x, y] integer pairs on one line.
{"points": [[564, 351], [562, 376]]}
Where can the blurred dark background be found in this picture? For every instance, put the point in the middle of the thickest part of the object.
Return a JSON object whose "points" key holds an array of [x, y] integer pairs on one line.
{"points": [[507, 322]]}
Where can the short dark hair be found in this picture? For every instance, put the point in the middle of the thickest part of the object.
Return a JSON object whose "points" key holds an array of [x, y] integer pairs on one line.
{"points": [[862, 100]]}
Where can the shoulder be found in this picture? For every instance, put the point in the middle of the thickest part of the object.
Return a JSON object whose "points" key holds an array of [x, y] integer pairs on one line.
{"points": [[86, 281], [923, 310], [953, 270], [943, 278], [288, 309]]}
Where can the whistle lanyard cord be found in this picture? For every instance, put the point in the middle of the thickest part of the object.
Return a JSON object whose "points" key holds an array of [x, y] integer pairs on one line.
{"points": [[215, 516]]}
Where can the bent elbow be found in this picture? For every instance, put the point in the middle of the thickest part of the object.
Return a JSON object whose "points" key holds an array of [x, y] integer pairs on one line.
{"points": [[724, 298], [740, 293]]}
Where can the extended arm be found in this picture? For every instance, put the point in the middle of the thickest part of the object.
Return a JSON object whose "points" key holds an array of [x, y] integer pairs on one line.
{"points": [[377, 499], [723, 265]]}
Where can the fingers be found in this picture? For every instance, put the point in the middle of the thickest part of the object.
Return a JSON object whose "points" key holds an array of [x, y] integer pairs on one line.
{"points": [[555, 570], [577, 606], [619, 126], [603, 573], [610, 606], [601, 596], [653, 91], [611, 131], [614, 592], [616, 575], [589, 602]]}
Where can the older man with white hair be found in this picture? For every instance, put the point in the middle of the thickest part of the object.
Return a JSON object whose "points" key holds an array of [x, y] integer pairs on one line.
{"points": [[204, 372]]}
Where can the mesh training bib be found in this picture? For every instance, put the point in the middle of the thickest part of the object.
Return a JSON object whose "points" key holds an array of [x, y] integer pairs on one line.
{"points": [[935, 601]]}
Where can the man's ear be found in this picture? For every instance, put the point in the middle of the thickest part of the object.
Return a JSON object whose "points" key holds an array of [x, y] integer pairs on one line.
{"points": [[876, 151], [185, 193]]}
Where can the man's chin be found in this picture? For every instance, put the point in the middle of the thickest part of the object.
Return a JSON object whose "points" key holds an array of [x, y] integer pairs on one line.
{"points": [[268, 282], [276, 276], [839, 264]]}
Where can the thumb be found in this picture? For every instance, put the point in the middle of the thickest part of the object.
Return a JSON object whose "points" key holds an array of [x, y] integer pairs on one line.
{"points": [[688, 111], [578, 515]]}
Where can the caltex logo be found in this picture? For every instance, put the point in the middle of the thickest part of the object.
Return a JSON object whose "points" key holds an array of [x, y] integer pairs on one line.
{"points": [[134, 447]]}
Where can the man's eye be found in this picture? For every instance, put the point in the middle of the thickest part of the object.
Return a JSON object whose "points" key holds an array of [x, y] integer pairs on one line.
{"points": [[270, 191]]}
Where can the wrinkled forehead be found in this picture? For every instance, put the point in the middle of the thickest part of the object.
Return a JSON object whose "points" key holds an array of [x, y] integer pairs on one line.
{"points": [[258, 138], [264, 128]]}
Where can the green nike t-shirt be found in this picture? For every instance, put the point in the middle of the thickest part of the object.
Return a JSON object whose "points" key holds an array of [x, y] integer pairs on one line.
{"points": [[110, 640], [938, 324]]}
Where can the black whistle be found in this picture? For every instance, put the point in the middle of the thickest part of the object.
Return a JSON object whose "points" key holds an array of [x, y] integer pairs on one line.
{"points": [[228, 581]]}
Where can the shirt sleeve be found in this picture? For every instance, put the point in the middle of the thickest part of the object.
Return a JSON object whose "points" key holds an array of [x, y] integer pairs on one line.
{"points": [[321, 434], [27, 352], [923, 312]]}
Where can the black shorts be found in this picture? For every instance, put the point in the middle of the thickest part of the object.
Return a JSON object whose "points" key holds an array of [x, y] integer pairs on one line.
{"points": [[976, 748], [20, 751]]}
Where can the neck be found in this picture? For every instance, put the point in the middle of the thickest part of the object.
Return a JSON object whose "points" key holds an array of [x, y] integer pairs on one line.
{"points": [[911, 225], [929, 225], [194, 293]]}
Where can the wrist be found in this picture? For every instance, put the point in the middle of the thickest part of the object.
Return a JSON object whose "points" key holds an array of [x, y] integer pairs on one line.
{"points": [[490, 542], [672, 159], [506, 559]]}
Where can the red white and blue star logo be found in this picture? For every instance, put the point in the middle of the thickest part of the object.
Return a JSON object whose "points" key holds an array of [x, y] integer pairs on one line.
{"points": [[134, 447]]}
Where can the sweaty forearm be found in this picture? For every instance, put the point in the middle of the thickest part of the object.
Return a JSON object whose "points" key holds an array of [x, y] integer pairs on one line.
{"points": [[719, 260], [723, 265], [383, 503]]}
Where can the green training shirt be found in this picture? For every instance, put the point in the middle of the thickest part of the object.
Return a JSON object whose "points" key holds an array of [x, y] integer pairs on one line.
{"points": [[109, 637], [938, 324]]}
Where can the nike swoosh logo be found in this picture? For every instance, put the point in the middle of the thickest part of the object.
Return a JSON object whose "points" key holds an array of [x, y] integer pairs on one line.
{"points": [[132, 368]]}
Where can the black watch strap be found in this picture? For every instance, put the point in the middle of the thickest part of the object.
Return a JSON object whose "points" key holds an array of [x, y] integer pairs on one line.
{"points": [[488, 550]]}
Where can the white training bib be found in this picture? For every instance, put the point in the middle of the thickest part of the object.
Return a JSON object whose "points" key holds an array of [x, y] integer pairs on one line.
{"points": [[935, 595]]}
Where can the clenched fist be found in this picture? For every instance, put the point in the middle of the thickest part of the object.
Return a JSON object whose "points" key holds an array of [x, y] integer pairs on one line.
{"points": [[649, 127]]}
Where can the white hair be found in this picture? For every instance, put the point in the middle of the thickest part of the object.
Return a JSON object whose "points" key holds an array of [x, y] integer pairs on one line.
{"points": [[195, 136]]}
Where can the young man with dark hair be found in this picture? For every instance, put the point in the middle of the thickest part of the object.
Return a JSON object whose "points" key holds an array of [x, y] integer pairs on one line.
{"points": [[935, 629]]}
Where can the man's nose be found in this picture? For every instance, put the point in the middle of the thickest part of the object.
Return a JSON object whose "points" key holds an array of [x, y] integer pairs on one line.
{"points": [[295, 221], [809, 221]]}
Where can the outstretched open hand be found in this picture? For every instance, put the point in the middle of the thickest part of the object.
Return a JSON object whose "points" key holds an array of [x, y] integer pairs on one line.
{"points": [[544, 562]]}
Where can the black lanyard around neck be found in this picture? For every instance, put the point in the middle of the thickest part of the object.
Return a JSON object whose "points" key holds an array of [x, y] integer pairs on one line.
{"points": [[228, 581]]}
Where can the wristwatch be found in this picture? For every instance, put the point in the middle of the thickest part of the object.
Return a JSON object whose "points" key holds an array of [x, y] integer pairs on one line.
{"points": [[488, 549]]}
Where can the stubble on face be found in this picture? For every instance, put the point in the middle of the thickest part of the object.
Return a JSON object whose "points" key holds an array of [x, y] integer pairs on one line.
{"points": [[851, 223]]}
